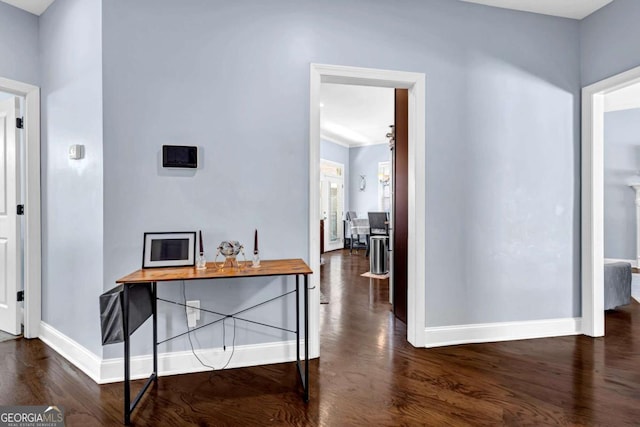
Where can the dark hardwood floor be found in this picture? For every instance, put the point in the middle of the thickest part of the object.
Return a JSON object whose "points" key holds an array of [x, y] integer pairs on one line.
{"points": [[367, 375]]}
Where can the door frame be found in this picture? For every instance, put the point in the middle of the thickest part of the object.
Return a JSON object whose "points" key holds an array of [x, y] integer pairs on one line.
{"points": [[593, 197], [32, 239], [416, 286]]}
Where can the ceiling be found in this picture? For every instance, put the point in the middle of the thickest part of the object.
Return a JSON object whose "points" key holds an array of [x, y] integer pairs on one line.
{"points": [[37, 7], [574, 9], [355, 116]]}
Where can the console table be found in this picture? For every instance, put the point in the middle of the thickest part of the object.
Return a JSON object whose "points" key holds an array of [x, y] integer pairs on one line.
{"points": [[151, 276]]}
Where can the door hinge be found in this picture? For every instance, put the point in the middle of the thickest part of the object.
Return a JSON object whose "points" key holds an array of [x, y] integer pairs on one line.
{"points": [[20, 209], [20, 296], [19, 122]]}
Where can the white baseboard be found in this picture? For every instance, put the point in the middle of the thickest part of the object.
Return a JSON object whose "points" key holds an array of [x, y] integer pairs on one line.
{"points": [[504, 331], [635, 286], [74, 352], [104, 371], [184, 362]]}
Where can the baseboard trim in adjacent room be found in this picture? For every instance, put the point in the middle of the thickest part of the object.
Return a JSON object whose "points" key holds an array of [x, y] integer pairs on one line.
{"points": [[502, 331], [184, 362], [71, 350], [635, 286]]}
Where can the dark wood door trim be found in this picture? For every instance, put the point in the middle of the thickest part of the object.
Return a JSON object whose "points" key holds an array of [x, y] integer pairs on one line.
{"points": [[401, 204]]}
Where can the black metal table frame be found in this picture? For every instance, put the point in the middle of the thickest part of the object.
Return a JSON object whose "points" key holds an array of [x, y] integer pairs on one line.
{"points": [[129, 406]]}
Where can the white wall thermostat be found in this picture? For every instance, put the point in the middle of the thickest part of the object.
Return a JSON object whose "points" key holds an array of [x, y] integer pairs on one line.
{"points": [[76, 151]]}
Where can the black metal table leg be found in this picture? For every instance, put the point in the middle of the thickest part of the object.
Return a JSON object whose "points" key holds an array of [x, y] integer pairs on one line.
{"points": [[304, 375], [306, 337], [128, 405], [297, 318], [154, 312], [127, 375]]}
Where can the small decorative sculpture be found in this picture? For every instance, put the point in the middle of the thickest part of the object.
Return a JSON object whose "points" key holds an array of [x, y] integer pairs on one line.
{"points": [[230, 250]]}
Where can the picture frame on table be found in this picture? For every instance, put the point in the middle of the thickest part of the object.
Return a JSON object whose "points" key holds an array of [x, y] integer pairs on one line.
{"points": [[169, 249]]}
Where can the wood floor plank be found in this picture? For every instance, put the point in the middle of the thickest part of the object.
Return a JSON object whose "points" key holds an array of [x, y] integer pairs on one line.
{"points": [[367, 375]]}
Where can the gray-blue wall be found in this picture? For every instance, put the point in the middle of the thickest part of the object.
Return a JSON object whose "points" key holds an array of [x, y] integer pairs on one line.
{"points": [[609, 41], [502, 105], [502, 155], [334, 152], [621, 167], [72, 198], [18, 44], [364, 161]]}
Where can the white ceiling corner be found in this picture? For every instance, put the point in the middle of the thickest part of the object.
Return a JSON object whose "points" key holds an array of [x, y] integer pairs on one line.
{"points": [[574, 9], [37, 7]]}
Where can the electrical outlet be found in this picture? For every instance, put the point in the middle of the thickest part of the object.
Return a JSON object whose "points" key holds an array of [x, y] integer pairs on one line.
{"points": [[193, 312], [76, 152]]}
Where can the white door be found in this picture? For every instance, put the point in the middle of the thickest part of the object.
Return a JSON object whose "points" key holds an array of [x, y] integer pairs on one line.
{"points": [[10, 260], [332, 194]]}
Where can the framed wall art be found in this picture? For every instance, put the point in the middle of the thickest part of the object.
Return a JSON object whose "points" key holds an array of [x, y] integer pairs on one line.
{"points": [[175, 249]]}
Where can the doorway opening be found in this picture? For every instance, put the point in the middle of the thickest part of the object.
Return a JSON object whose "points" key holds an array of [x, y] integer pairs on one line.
{"points": [[621, 196], [593, 113], [30, 131], [355, 141], [415, 84]]}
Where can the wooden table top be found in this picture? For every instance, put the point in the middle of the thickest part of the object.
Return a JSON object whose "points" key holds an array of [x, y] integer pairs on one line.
{"points": [[276, 267]]}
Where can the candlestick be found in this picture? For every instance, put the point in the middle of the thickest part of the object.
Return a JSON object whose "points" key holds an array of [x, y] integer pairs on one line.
{"points": [[201, 261], [256, 257], [255, 242]]}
